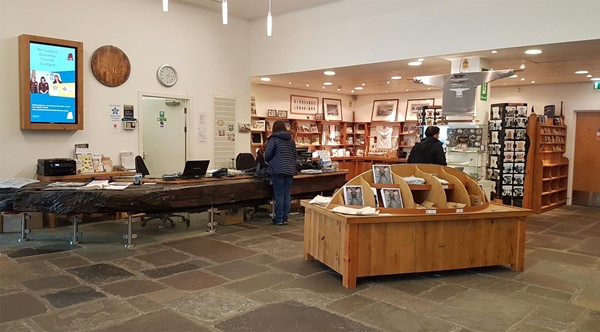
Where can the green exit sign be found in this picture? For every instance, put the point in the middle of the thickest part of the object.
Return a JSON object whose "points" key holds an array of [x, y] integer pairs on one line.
{"points": [[596, 85]]}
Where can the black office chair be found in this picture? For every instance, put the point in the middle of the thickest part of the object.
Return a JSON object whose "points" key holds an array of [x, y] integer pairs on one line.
{"points": [[140, 167], [245, 161]]}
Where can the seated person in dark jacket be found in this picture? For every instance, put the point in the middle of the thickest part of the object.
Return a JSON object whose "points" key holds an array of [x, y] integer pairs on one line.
{"points": [[429, 150]]}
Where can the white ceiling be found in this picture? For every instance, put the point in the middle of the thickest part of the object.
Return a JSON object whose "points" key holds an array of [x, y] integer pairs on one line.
{"points": [[557, 63], [256, 9]]}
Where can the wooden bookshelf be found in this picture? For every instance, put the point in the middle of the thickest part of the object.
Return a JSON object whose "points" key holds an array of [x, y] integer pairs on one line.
{"points": [[547, 168]]}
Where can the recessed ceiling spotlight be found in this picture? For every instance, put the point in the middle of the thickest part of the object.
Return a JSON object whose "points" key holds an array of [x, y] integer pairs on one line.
{"points": [[522, 78], [323, 87], [595, 79], [428, 88], [415, 63], [290, 83], [532, 82], [533, 52], [352, 91], [265, 79], [329, 72], [494, 51], [514, 76], [388, 82], [339, 89], [588, 75], [522, 66], [420, 59], [406, 90], [327, 83], [363, 84], [396, 77], [581, 72], [386, 91], [307, 85], [358, 88]]}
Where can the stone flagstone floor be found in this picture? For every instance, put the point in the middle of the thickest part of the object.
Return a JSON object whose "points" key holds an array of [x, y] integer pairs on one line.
{"points": [[252, 277]]}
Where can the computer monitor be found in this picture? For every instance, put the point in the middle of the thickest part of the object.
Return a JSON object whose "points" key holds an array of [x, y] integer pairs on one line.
{"points": [[303, 154]]}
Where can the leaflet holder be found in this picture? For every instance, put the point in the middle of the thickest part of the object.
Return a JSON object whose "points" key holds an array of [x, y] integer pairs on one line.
{"points": [[129, 121]]}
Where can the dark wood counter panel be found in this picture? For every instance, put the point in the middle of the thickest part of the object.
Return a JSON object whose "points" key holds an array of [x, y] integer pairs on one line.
{"points": [[167, 196]]}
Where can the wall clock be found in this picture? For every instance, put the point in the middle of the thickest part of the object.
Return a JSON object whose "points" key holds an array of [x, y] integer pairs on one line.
{"points": [[110, 66], [167, 75]]}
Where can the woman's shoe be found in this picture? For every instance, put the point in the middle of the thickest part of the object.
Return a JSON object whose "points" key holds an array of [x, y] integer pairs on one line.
{"points": [[284, 222]]}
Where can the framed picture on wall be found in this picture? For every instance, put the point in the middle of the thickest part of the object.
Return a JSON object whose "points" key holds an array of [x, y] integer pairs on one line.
{"points": [[271, 113], [384, 110], [282, 113], [332, 109], [413, 106], [304, 104]]}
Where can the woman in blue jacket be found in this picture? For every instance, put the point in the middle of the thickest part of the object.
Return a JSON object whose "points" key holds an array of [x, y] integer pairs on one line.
{"points": [[280, 155]]}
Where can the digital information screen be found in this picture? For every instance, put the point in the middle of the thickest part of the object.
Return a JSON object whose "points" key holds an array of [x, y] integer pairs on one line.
{"points": [[52, 82]]}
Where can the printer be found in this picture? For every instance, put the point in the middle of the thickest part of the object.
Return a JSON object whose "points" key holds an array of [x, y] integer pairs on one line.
{"points": [[51, 167]]}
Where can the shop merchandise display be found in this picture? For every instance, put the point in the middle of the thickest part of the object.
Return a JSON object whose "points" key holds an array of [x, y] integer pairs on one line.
{"points": [[507, 145]]}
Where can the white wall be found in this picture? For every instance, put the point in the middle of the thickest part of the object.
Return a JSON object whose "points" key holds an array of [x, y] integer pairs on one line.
{"points": [[211, 59], [268, 97], [355, 32]]}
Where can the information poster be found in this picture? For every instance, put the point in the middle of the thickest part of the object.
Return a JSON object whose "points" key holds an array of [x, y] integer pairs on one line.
{"points": [[52, 83]]}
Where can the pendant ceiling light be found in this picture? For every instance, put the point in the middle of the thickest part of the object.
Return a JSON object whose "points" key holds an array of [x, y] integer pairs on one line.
{"points": [[165, 5], [269, 22], [224, 8]]}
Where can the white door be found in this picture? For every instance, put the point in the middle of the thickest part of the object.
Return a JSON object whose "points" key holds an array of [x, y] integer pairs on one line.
{"points": [[162, 128]]}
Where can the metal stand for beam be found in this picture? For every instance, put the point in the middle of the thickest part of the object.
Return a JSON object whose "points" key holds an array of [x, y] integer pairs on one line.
{"points": [[211, 219], [24, 230], [75, 219], [129, 236]]}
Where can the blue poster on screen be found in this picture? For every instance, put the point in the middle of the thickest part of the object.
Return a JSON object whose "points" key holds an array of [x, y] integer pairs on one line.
{"points": [[52, 83]]}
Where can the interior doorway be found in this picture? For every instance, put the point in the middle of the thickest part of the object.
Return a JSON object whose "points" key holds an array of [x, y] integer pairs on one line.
{"points": [[163, 132], [586, 163]]}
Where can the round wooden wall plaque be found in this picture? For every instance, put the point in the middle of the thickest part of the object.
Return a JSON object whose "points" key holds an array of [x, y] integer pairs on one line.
{"points": [[110, 66]]}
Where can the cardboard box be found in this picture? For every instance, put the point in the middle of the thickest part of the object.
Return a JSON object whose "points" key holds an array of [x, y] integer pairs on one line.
{"points": [[11, 222], [230, 217]]}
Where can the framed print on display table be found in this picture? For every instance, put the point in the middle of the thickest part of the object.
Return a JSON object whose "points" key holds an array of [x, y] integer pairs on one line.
{"points": [[392, 198], [382, 174], [332, 109], [413, 106], [384, 110], [353, 195], [304, 104]]}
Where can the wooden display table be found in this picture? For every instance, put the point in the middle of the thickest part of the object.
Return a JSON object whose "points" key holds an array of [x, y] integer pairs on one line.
{"points": [[361, 246]]}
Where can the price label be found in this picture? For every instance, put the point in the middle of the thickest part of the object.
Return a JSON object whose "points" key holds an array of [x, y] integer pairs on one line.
{"points": [[430, 211], [459, 210]]}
